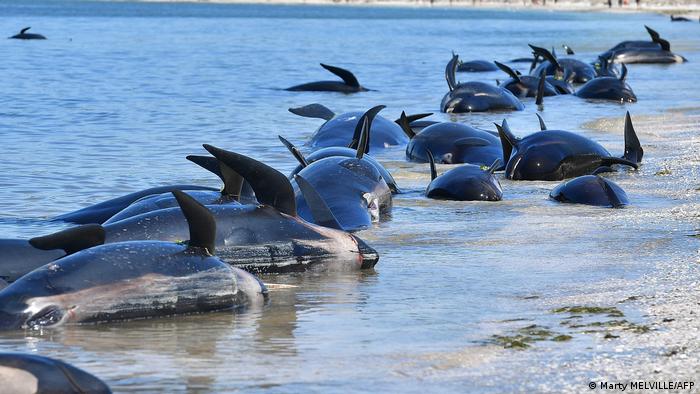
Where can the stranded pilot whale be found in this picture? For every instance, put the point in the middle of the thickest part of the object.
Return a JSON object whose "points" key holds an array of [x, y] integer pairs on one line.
{"points": [[349, 84], [340, 130], [264, 237], [608, 88], [452, 143], [658, 50], [464, 183], [590, 190], [352, 188], [31, 373], [574, 69], [133, 279], [23, 35], [99, 213], [235, 189], [552, 155], [475, 96]]}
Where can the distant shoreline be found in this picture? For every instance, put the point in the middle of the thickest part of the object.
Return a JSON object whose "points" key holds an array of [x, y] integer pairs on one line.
{"points": [[685, 8]]}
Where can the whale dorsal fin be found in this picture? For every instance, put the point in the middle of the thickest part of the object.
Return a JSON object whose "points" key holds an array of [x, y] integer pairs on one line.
{"points": [[314, 110], [344, 74], [612, 196], [633, 149], [623, 75], [543, 126], [294, 151], [535, 60], [271, 187], [494, 166], [357, 135], [508, 140], [322, 215], [539, 98], [568, 49], [508, 71], [406, 125], [431, 160], [363, 144], [233, 182], [200, 221], [24, 30], [450, 71], [71, 240]]}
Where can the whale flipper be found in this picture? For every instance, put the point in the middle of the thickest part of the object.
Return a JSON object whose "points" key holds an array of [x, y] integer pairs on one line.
{"points": [[71, 240], [271, 187], [633, 149], [508, 71], [344, 74], [413, 118], [313, 111], [322, 215], [294, 151], [547, 55], [656, 37], [233, 182], [201, 223]]}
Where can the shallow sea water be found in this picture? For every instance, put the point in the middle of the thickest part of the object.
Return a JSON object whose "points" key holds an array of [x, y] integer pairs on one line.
{"points": [[121, 92]]}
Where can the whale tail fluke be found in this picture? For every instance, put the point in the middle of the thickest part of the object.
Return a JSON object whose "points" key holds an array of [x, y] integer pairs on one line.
{"points": [[313, 111], [323, 216], [633, 149], [344, 74], [271, 187], [71, 240]]}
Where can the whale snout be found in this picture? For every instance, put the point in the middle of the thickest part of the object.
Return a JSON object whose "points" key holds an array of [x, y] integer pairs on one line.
{"points": [[368, 255]]}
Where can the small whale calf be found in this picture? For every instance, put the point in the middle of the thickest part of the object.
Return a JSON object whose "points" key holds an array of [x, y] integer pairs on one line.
{"points": [[31, 373], [475, 96], [608, 88], [340, 130], [464, 183], [349, 84], [590, 190], [23, 35], [452, 143], [552, 155], [132, 279]]}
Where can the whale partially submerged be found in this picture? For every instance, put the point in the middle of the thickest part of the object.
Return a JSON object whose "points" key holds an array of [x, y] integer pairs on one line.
{"points": [[552, 155], [590, 190], [128, 280], [32, 373], [349, 84]]}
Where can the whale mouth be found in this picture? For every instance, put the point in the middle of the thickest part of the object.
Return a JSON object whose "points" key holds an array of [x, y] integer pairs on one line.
{"points": [[368, 255]]}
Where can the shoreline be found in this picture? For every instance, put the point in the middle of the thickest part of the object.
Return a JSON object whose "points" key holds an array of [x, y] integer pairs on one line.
{"points": [[687, 9]]}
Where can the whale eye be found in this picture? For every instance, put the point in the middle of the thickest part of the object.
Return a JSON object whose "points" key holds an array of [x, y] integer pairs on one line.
{"points": [[48, 316]]}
